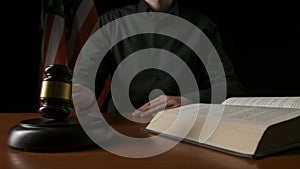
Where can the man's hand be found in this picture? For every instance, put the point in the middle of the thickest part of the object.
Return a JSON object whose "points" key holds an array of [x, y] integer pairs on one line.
{"points": [[162, 102]]}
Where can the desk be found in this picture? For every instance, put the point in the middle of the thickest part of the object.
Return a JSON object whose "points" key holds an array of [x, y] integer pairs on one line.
{"points": [[183, 155]]}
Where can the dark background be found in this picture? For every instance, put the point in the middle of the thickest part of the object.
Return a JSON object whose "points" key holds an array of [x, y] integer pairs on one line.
{"points": [[261, 38]]}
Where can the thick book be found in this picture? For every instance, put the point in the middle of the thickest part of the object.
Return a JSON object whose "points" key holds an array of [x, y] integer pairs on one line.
{"points": [[252, 127]]}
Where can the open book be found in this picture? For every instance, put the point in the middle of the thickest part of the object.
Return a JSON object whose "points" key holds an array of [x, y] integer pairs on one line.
{"points": [[249, 127]]}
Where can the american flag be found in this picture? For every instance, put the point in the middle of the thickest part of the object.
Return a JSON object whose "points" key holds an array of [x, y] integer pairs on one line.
{"points": [[66, 25]]}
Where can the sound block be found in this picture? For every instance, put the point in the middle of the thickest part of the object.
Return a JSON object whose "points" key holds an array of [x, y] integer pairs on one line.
{"points": [[46, 135]]}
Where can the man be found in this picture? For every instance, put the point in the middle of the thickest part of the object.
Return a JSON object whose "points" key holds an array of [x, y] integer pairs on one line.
{"points": [[148, 80]]}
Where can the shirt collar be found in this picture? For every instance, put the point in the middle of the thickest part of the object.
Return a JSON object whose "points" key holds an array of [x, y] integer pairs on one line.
{"points": [[144, 7]]}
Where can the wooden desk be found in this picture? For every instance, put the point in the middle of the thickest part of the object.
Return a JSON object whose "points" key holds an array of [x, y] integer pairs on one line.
{"points": [[181, 156]]}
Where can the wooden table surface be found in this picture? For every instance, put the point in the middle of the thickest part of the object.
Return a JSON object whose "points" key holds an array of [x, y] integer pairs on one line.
{"points": [[183, 155]]}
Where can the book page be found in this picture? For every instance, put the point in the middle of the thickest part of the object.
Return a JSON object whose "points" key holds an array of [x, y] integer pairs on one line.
{"points": [[240, 128], [258, 115], [284, 102], [171, 122], [265, 116]]}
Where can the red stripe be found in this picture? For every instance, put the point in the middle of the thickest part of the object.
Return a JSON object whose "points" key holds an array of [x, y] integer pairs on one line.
{"points": [[61, 55], [84, 33], [104, 92]]}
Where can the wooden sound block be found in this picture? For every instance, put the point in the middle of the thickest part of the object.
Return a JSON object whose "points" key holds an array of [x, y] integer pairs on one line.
{"points": [[44, 135]]}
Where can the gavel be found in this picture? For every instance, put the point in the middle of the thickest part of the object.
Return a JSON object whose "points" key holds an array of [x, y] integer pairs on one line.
{"points": [[56, 92], [56, 130]]}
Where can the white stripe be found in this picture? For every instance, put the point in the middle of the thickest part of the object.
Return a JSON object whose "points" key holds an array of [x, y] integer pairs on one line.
{"points": [[83, 11], [54, 39], [79, 18]]}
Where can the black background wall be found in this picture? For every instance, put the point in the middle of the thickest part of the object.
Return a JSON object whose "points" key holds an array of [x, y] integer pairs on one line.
{"points": [[261, 38]]}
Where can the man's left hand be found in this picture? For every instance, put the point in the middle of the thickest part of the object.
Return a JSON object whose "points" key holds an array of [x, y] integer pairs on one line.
{"points": [[162, 102]]}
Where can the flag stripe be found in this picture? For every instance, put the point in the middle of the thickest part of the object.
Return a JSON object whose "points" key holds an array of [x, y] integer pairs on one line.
{"points": [[46, 37], [56, 33], [61, 52], [83, 11], [84, 33], [80, 15]]}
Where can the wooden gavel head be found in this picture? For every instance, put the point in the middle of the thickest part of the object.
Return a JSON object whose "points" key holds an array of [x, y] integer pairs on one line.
{"points": [[56, 92]]}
